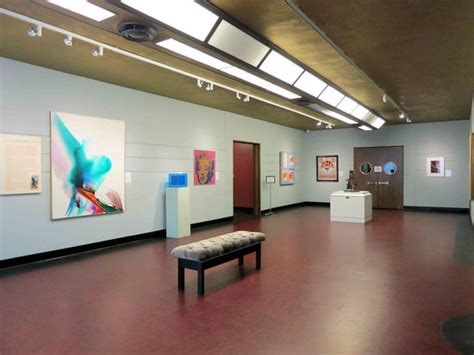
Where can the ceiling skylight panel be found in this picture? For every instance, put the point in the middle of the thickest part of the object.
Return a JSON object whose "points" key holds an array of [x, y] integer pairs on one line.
{"points": [[331, 96], [84, 8], [379, 122], [282, 92], [193, 53], [365, 128], [360, 112], [280, 67], [183, 15], [310, 84], [347, 105], [237, 43], [332, 114]]}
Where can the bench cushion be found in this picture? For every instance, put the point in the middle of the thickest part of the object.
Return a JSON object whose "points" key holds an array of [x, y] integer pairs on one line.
{"points": [[209, 248]]}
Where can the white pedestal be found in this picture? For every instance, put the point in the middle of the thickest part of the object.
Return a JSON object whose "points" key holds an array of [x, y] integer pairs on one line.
{"points": [[178, 223], [355, 207]]}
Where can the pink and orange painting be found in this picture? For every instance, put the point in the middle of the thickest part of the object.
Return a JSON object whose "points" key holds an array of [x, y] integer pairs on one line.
{"points": [[204, 167]]}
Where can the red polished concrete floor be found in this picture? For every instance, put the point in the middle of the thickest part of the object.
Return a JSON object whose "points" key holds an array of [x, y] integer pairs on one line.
{"points": [[385, 287]]}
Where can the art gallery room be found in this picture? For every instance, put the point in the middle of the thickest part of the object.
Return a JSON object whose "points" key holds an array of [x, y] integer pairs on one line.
{"points": [[237, 177]]}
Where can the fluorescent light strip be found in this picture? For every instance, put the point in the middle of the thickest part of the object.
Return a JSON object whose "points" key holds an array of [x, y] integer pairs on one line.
{"points": [[280, 67], [257, 81], [310, 84], [183, 15], [331, 96], [192, 53], [365, 128], [332, 114], [84, 8], [347, 105], [360, 112], [379, 122]]}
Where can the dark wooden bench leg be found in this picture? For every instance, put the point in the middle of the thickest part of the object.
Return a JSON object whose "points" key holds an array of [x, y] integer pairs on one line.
{"points": [[180, 275], [258, 256], [241, 260], [201, 282]]}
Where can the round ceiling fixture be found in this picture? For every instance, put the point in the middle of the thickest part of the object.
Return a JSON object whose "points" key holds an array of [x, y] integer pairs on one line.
{"points": [[136, 31]]}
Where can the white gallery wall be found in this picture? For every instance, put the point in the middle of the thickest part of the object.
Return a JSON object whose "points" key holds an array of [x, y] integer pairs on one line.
{"points": [[445, 139], [161, 134]]}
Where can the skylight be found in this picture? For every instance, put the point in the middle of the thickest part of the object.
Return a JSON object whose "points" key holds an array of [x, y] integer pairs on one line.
{"points": [[237, 43], [331, 96], [310, 84], [332, 114], [84, 8], [255, 80], [193, 53], [379, 122], [183, 15], [360, 112], [365, 128], [280, 67], [347, 105]]}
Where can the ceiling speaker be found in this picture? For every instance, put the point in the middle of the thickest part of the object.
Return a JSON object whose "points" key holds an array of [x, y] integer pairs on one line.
{"points": [[136, 32]]}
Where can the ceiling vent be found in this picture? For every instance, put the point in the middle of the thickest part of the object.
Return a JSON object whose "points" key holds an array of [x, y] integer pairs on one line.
{"points": [[136, 32]]}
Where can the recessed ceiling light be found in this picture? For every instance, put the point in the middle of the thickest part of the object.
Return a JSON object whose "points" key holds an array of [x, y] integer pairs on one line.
{"points": [[237, 43], [84, 8], [193, 53], [255, 80], [379, 122], [347, 105], [310, 84], [331, 96], [360, 112], [183, 15], [365, 128], [280, 67]]}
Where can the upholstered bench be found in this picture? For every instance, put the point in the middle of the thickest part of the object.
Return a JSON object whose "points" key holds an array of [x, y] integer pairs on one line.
{"points": [[210, 252]]}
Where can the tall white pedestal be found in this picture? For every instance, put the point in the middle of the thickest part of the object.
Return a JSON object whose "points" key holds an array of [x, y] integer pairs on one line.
{"points": [[355, 207], [178, 222]]}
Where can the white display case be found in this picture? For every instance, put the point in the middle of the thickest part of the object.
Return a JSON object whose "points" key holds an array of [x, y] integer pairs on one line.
{"points": [[354, 207], [178, 223]]}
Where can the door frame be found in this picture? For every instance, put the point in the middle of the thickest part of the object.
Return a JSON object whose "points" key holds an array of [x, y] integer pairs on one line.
{"points": [[256, 173], [403, 165]]}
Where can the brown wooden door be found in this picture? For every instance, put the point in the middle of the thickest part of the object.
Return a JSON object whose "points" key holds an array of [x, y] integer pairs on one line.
{"points": [[379, 170]]}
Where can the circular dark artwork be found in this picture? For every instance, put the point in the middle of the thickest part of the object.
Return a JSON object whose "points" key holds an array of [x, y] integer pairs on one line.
{"points": [[365, 168]]}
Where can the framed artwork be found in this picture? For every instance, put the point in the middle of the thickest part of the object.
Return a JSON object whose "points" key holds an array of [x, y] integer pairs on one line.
{"points": [[287, 168], [435, 166], [87, 166], [327, 168], [20, 164], [204, 167]]}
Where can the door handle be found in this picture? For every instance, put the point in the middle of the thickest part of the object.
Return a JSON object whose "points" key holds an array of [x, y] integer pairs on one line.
{"points": [[384, 183]]}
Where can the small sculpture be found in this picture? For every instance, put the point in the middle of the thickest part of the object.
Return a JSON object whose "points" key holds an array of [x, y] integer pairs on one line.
{"points": [[351, 182]]}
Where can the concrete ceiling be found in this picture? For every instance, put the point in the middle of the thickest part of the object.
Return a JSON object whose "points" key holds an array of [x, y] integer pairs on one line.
{"points": [[412, 81]]}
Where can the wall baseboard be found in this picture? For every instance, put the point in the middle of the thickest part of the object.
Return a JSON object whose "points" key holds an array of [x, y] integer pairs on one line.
{"points": [[60, 253], [437, 209], [320, 204], [285, 207]]}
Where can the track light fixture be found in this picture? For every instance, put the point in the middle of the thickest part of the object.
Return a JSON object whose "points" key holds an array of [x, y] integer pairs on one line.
{"points": [[98, 52], [68, 41], [237, 95], [319, 123], [247, 99], [210, 87], [384, 98], [199, 83], [35, 31], [408, 120], [401, 115]]}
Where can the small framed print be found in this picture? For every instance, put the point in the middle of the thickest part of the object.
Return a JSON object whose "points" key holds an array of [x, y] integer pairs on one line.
{"points": [[435, 166], [270, 179], [327, 168]]}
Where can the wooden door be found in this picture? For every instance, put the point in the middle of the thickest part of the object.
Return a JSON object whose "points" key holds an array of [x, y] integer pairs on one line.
{"points": [[380, 171]]}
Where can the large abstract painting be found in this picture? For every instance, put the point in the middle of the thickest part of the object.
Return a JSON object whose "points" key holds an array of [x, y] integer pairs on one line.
{"points": [[204, 167], [87, 162], [327, 168], [287, 168]]}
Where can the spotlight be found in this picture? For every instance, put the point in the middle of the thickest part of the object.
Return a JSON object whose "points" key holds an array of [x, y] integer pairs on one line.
{"points": [[247, 98], [384, 98], [237, 95], [408, 120], [319, 123], [210, 87], [307, 131], [68, 41], [200, 83], [98, 52], [35, 31], [401, 115]]}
